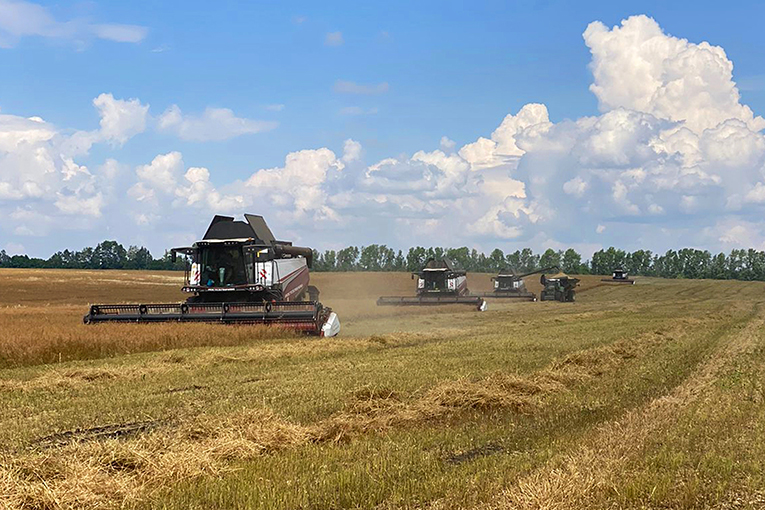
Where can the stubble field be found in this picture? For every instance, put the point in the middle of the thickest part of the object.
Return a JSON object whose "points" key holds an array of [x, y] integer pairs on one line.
{"points": [[644, 396]]}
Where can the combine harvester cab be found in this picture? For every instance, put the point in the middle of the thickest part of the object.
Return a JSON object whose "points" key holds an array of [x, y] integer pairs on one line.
{"points": [[510, 285], [239, 274], [559, 287], [438, 283], [619, 276]]}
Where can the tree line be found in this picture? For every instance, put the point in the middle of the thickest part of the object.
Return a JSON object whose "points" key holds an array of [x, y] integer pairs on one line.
{"points": [[106, 255], [740, 264], [377, 257]]}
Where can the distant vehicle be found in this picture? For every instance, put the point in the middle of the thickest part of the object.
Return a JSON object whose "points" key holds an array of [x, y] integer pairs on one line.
{"points": [[559, 287], [439, 282], [508, 284], [619, 276]]}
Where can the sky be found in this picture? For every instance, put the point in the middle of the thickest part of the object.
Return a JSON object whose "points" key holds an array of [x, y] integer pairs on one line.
{"points": [[539, 124]]}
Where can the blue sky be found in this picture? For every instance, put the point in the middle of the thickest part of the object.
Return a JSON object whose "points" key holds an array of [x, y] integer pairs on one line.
{"points": [[393, 77]]}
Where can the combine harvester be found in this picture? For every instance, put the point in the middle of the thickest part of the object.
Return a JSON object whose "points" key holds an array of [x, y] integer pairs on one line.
{"points": [[508, 284], [559, 287], [438, 283], [619, 276], [239, 274]]}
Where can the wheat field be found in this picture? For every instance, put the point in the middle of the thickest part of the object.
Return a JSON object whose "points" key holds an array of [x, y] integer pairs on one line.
{"points": [[644, 396]]}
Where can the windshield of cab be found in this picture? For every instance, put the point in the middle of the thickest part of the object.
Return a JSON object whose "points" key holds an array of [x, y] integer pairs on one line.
{"points": [[221, 266]]}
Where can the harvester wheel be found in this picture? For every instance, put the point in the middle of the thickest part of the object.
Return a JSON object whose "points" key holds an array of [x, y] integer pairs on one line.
{"points": [[313, 293]]}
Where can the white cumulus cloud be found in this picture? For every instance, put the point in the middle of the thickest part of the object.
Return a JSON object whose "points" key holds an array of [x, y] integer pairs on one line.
{"points": [[639, 67], [214, 124], [120, 119]]}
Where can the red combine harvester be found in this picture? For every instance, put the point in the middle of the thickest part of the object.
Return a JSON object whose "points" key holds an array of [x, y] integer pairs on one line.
{"points": [[239, 274], [438, 283]]}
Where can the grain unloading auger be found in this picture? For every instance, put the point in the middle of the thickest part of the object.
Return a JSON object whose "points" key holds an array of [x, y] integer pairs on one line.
{"points": [[509, 285], [239, 274], [438, 283]]}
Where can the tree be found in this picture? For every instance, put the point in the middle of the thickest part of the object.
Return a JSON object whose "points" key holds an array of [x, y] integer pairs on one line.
{"points": [[109, 255], [346, 258], [64, 259], [84, 259], [496, 261], [668, 265], [376, 258], [639, 262], [755, 265], [513, 260], [605, 261], [330, 260], [550, 258], [138, 258], [400, 263], [693, 263], [717, 268], [387, 258], [735, 264], [527, 261], [415, 258], [5, 260], [571, 262]]}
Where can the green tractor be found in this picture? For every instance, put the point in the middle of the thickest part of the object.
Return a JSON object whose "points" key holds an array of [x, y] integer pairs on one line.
{"points": [[559, 287]]}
